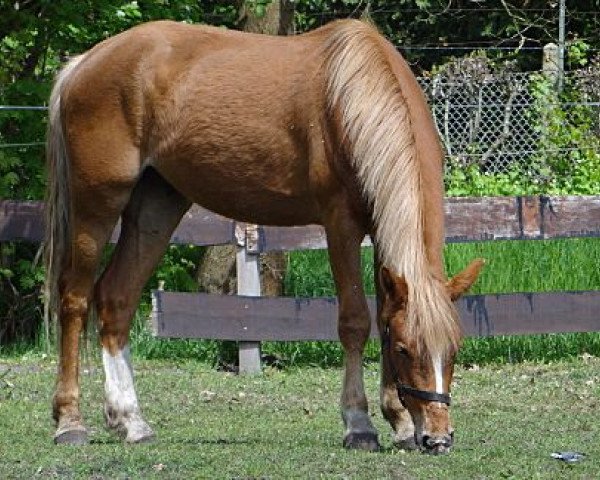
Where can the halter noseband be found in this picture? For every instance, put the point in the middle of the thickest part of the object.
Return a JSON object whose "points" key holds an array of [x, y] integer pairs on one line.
{"points": [[404, 389]]}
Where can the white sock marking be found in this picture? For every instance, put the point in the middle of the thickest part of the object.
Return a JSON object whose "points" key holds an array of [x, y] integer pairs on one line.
{"points": [[120, 392]]}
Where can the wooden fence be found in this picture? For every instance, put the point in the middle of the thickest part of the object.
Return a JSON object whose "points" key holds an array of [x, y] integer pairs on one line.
{"points": [[250, 318]]}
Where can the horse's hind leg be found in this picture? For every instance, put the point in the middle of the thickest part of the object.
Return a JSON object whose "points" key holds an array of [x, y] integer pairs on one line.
{"points": [[94, 215], [344, 236], [151, 216], [393, 411]]}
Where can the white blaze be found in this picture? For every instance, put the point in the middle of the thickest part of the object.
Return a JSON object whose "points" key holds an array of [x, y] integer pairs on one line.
{"points": [[439, 374]]}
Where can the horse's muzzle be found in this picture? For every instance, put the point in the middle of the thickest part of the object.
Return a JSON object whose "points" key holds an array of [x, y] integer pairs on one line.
{"points": [[437, 445]]}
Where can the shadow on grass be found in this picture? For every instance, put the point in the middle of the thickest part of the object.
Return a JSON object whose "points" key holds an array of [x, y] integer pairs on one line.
{"points": [[207, 441]]}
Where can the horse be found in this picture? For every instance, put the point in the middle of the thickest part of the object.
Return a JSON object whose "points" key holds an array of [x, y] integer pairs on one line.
{"points": [[329, 127]]}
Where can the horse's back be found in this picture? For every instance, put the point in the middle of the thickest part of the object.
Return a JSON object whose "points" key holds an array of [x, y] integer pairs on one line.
{"points": [[220, 114], [237, 122]]}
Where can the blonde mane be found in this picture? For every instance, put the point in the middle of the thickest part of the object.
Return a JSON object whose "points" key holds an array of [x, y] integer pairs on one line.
{"points": [[377, 124]]}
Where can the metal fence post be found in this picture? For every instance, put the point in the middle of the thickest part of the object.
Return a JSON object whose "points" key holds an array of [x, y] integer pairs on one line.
{"points": [[248, 284]]}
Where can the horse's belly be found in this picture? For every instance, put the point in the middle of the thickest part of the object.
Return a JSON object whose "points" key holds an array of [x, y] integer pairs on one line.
{"points": [[267, 193], [267, 210]]}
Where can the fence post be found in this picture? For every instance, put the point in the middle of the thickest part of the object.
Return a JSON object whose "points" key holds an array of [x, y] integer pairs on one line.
{"points": [[248, 283], [550, 62], [154, 317]]}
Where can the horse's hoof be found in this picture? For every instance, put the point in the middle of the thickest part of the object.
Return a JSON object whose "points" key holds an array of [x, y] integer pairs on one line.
{"points": [[362, 441], [407, 443], [72, 437], [140, 439], [139, 433]]}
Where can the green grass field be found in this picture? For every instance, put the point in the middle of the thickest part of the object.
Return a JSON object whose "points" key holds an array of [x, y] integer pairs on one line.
{"points": [[286, 424], [511, 266]]}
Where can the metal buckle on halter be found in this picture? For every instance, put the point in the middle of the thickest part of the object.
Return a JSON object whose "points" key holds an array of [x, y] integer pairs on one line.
{"points": [[403, 389]]}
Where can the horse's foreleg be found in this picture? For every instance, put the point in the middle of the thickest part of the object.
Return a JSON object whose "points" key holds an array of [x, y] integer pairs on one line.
{"points": [[344, 237], [151, 216], [393, 411]]}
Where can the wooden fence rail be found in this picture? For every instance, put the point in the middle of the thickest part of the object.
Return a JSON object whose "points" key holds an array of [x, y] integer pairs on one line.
{"points": [[467, 219], [250, 318]]}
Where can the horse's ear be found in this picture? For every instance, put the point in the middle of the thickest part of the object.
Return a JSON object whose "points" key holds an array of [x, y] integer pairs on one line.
{"points": [[462, 281], [394, 287]]}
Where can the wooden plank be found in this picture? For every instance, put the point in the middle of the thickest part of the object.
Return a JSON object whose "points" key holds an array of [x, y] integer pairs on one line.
{"points": [[530, 313], [20, 220], [307, 237], [287, 319], [467, 219], [202, 227], [244, 318], [570, 216], [486, 218], [479, 219], [530, 218]]}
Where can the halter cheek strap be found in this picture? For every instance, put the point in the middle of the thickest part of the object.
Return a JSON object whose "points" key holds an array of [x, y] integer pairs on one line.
{"points": [[404, 389]]}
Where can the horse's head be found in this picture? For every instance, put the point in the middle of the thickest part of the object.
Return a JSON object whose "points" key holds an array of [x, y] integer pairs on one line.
{"points": [[422, 374]]}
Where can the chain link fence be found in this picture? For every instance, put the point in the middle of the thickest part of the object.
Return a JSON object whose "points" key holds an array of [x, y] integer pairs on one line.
{"points": [[498, 121]]}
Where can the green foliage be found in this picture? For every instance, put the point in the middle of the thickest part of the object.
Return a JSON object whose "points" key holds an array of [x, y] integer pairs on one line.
{"points": [[20, 278], [569, 162], [258, 7], [578, 52], [178, 269], [566, 159], [471, 180]]}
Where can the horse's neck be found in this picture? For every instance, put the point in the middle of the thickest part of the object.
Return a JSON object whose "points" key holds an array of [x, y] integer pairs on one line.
{"points": [[433, 208]]}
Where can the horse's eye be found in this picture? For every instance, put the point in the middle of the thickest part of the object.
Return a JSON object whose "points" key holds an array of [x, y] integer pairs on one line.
{"points": [[401, 349]]}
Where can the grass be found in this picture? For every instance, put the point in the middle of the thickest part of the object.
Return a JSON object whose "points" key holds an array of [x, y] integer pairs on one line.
{"points": [[286, 424], [511, 266]]}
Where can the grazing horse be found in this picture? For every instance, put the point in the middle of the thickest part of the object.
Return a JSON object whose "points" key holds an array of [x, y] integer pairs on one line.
{"points": [[328, 127]]}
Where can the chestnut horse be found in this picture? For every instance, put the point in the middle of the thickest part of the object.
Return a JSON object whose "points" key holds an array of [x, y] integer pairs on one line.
{"points": [[329, 127]]}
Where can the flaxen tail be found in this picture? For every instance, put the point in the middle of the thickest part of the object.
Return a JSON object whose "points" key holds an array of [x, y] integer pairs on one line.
{"points": [[58, 201]]}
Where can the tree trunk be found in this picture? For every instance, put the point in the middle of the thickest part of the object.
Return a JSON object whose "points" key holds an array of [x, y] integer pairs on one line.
{"points": [[277, 19], [216, 272]]}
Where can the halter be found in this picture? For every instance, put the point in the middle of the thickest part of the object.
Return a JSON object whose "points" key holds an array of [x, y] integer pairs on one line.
{"points": [[404, 389]]}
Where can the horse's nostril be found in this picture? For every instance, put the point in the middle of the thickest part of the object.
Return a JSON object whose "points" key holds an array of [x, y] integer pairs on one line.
{"points": [[426, 441]]}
